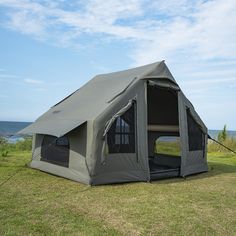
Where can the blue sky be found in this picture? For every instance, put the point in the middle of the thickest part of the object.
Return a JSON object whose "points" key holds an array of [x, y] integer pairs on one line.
{"points": [[49, 49]]}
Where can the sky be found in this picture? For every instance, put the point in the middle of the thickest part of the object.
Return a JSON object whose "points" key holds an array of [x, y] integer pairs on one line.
{"points": [[48, 49]]}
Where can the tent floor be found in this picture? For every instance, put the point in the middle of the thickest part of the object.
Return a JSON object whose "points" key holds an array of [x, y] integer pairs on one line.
{"points": [[162, 172]]}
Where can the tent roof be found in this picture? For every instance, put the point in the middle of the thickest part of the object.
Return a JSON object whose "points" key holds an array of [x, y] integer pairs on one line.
{"points": [[92, 99]]}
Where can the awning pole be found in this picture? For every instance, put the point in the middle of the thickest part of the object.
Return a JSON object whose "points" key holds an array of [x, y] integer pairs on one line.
{"points": [[209, 137]]}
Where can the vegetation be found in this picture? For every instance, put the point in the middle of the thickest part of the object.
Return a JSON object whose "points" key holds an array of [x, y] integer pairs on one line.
{"points": [[225, 139], [222, 136], [170, 147], [6, 148], [36, 203]]}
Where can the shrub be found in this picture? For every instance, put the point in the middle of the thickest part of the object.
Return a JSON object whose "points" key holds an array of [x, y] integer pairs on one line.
{"points": [[25, 145], [222, 135]]}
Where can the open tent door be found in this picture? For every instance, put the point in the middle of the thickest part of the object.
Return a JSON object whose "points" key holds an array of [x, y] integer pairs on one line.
{"points": [[193, 136], [163, 131]]}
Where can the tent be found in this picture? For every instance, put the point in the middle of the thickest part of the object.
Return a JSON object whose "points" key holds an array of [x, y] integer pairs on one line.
{"points": [[108, 130]]}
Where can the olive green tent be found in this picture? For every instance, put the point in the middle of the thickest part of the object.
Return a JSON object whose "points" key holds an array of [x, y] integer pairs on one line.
{"points": [[107, 131]]}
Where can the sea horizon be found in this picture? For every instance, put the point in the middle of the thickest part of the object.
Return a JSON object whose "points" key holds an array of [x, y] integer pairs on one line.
{"points": [[10, 128]]}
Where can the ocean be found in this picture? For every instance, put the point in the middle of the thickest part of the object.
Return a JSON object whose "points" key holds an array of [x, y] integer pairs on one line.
{"points": [[9, 129], [214, 133]]}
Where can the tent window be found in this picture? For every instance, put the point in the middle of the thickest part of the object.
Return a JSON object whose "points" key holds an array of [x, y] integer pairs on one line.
{"points": [[195, 134], [55, 150], [121, 135]]}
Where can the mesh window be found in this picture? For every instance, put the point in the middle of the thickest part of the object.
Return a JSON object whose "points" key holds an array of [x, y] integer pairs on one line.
{"points": [[55, 151], [121, 135], [195, 134]]}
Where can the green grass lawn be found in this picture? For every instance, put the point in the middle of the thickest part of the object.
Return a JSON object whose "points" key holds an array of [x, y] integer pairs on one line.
{"points": [[37, 203]]}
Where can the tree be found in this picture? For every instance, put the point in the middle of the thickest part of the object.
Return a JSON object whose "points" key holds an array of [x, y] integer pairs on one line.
{"points": [[222, 135]]}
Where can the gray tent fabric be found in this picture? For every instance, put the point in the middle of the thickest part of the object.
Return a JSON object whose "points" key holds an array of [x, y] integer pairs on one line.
{"points": [[97, 94], [86, 116]]}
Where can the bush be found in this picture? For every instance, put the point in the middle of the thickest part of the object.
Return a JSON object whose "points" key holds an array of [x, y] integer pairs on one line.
{"points": [[25, 145]]}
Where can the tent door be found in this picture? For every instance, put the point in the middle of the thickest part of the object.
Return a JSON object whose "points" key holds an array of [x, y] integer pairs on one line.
{"points": [[164, 152]]}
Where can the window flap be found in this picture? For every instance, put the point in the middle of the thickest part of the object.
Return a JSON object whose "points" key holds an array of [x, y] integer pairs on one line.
{"points": [[119, 113]]}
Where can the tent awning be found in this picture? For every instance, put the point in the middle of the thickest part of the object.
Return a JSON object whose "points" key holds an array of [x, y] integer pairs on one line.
{"points": [[52, 127]]}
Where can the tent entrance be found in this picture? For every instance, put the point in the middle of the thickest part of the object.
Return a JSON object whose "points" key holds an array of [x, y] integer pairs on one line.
{"points": [[163, 132]]}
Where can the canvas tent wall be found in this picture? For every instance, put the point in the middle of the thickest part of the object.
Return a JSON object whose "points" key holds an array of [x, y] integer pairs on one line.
{"points": [[104, 125]]}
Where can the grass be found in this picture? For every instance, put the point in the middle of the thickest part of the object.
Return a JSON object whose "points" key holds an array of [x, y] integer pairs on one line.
{"points": [[170, 148], [36, 203]]}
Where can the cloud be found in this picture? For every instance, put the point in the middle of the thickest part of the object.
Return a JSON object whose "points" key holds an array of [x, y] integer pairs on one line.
{"points": [[159, 29], [9, 76], [207, 32], [46, 21], [211, 81], [203, 89], [33, 81]]}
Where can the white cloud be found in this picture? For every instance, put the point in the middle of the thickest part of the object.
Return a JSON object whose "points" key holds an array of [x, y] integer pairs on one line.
{"points": [[160, 29], [208, 32], [33, 81], [9, 76], [47, 21], [211, 81]]}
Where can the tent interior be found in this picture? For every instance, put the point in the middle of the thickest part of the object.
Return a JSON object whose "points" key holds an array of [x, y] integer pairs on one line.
{"points": [[164, 151]]}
